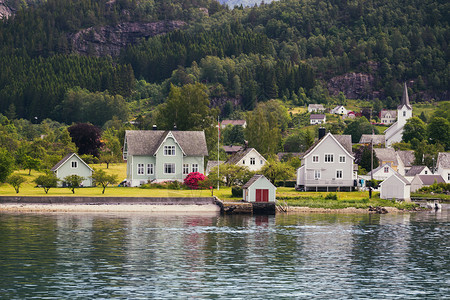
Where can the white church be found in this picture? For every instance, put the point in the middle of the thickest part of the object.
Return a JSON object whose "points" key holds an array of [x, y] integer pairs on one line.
{"points": [[394, 133]]}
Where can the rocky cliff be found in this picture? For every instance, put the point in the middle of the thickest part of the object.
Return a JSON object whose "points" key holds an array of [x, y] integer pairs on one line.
{"points": [[109, 40], [354, 86], [5, 9]]}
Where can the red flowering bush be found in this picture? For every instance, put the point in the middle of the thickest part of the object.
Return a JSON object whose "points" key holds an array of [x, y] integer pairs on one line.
{"points": [[193, 179]]}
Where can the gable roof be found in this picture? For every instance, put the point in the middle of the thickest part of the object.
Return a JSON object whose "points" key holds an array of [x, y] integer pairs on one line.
{"points": [[386, 154], [430, 179], [405, 98], [407, 157], [415, 170], [377, 139], [147, 142], [232, 148], [233, 122], [443, 160], [66, 158], [379, 168], [212, 164], [317, 117], [316, 106], [345, 141], [396, 174], [236, 157], [253, 180]]}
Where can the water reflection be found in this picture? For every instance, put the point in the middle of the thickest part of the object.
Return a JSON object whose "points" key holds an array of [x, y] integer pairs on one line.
{"points": [[209, 256]]}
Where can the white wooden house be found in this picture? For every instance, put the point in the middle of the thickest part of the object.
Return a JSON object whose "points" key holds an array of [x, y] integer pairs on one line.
{"points": [[388, 117], [419, 181], [328, 165], [339, 110], [395, 187], [317, 119], [417, 170], [248, 157], [443, 165], [315, 108], [259, 189]]}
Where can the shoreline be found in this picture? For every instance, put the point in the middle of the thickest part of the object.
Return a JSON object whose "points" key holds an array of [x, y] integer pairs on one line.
{"points": [[347, 210]]}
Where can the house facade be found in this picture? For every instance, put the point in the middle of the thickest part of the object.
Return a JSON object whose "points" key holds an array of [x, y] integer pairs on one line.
{"points": [[443, 165], [157, 155], [249, 158], [328, 165], [339, 110], [259, 189], [417, 170], [394, 133], [388, 117], [381, 173], [72, 164], [317, 119], [419, 181], [315, 108]]}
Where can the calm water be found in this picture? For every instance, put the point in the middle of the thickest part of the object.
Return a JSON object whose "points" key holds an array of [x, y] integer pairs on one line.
{"points": [[139, 256]]}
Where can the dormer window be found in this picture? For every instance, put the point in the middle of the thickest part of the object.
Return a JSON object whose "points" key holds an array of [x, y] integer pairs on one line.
{"points": [[404, 113], [386, 169], [74, 164]]}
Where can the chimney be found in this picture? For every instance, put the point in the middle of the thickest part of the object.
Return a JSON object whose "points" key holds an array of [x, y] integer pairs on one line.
{"points": [[174, 127], [155, 127], [322, 132]]}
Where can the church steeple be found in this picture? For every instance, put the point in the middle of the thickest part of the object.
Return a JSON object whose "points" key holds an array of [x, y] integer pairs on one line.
{"points": [[405, 98]]}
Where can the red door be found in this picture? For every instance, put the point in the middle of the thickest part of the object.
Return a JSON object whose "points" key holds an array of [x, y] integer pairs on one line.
{"points": [[262, 195]]}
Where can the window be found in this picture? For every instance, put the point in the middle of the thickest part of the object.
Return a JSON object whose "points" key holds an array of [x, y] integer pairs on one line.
{"points": [[74, 164], [316, 174], [243, 162], [426, 172], [252, 161], [169, 150], [329, 157], [149, 169], [341, 158], [261, 162], [339, 174], [185, 169], [194, 167], [448, 176], [315, 158], [140, 169], [386, 169], [169, 168], [404, 113]]}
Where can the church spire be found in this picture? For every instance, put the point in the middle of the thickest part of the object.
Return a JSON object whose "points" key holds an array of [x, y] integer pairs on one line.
{"points": [[405, 98]]}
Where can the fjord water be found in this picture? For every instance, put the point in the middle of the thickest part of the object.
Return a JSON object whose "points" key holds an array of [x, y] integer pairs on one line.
{"points": [[179, 256]]}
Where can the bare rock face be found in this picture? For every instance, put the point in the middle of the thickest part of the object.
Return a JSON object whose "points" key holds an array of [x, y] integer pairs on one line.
{"points": [[109, 40], [5, 10], [353, 85]]}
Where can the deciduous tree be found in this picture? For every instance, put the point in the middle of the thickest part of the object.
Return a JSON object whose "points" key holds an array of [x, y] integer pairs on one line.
{"points": [[100, 177], [15, 181]]}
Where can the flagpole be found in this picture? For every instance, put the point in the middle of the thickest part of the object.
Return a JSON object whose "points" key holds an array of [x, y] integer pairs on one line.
{"points": [[218, 151]]}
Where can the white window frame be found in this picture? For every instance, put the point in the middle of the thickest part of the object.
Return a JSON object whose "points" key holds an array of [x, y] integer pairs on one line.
{"points": [[150, 169], [169, 167], [194, 167], [317, 174], [74, 164], [185, 169], [252, 161], [315, 158], [329, 158], [169, 150], [386, 170], [342, 158], [140, 169], [339, 174]]}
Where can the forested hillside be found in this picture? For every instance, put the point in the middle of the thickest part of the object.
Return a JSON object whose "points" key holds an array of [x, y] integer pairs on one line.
{"points": [[298, 51]]}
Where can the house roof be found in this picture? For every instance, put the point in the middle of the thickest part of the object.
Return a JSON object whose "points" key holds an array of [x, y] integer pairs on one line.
{"points": [[415, 170], [317, 117], [233, 122], [443, 160], [405, 98], [147, 142], [66, 158], [236, 157], [407, 157], [317, 106], [396, 174], [384, 112], [379, 168], [253, 180], [430, 179], [377, 139], [386, 154], [213, 163], [232, 148], [344, 140]]}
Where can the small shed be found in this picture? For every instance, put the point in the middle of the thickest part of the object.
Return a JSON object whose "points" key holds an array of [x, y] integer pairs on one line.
{"points": [[395, 187], [72, 164], [259, 189]]}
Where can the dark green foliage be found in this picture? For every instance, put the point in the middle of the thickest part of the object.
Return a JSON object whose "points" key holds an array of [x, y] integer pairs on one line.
{"points": [[15, 181], [358, 127], [47, 181], [6, 164], [236, 191], [86, 137], [331, 196], [73, 182], [363, 158]]}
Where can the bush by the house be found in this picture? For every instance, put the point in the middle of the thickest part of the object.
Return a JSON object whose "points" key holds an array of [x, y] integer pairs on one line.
{"points": [[236, 191], [193, 180]]}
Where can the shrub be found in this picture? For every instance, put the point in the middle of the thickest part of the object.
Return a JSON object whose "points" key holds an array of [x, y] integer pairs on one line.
{"points": [[236, 191], [193, 179], [331, 196]]}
